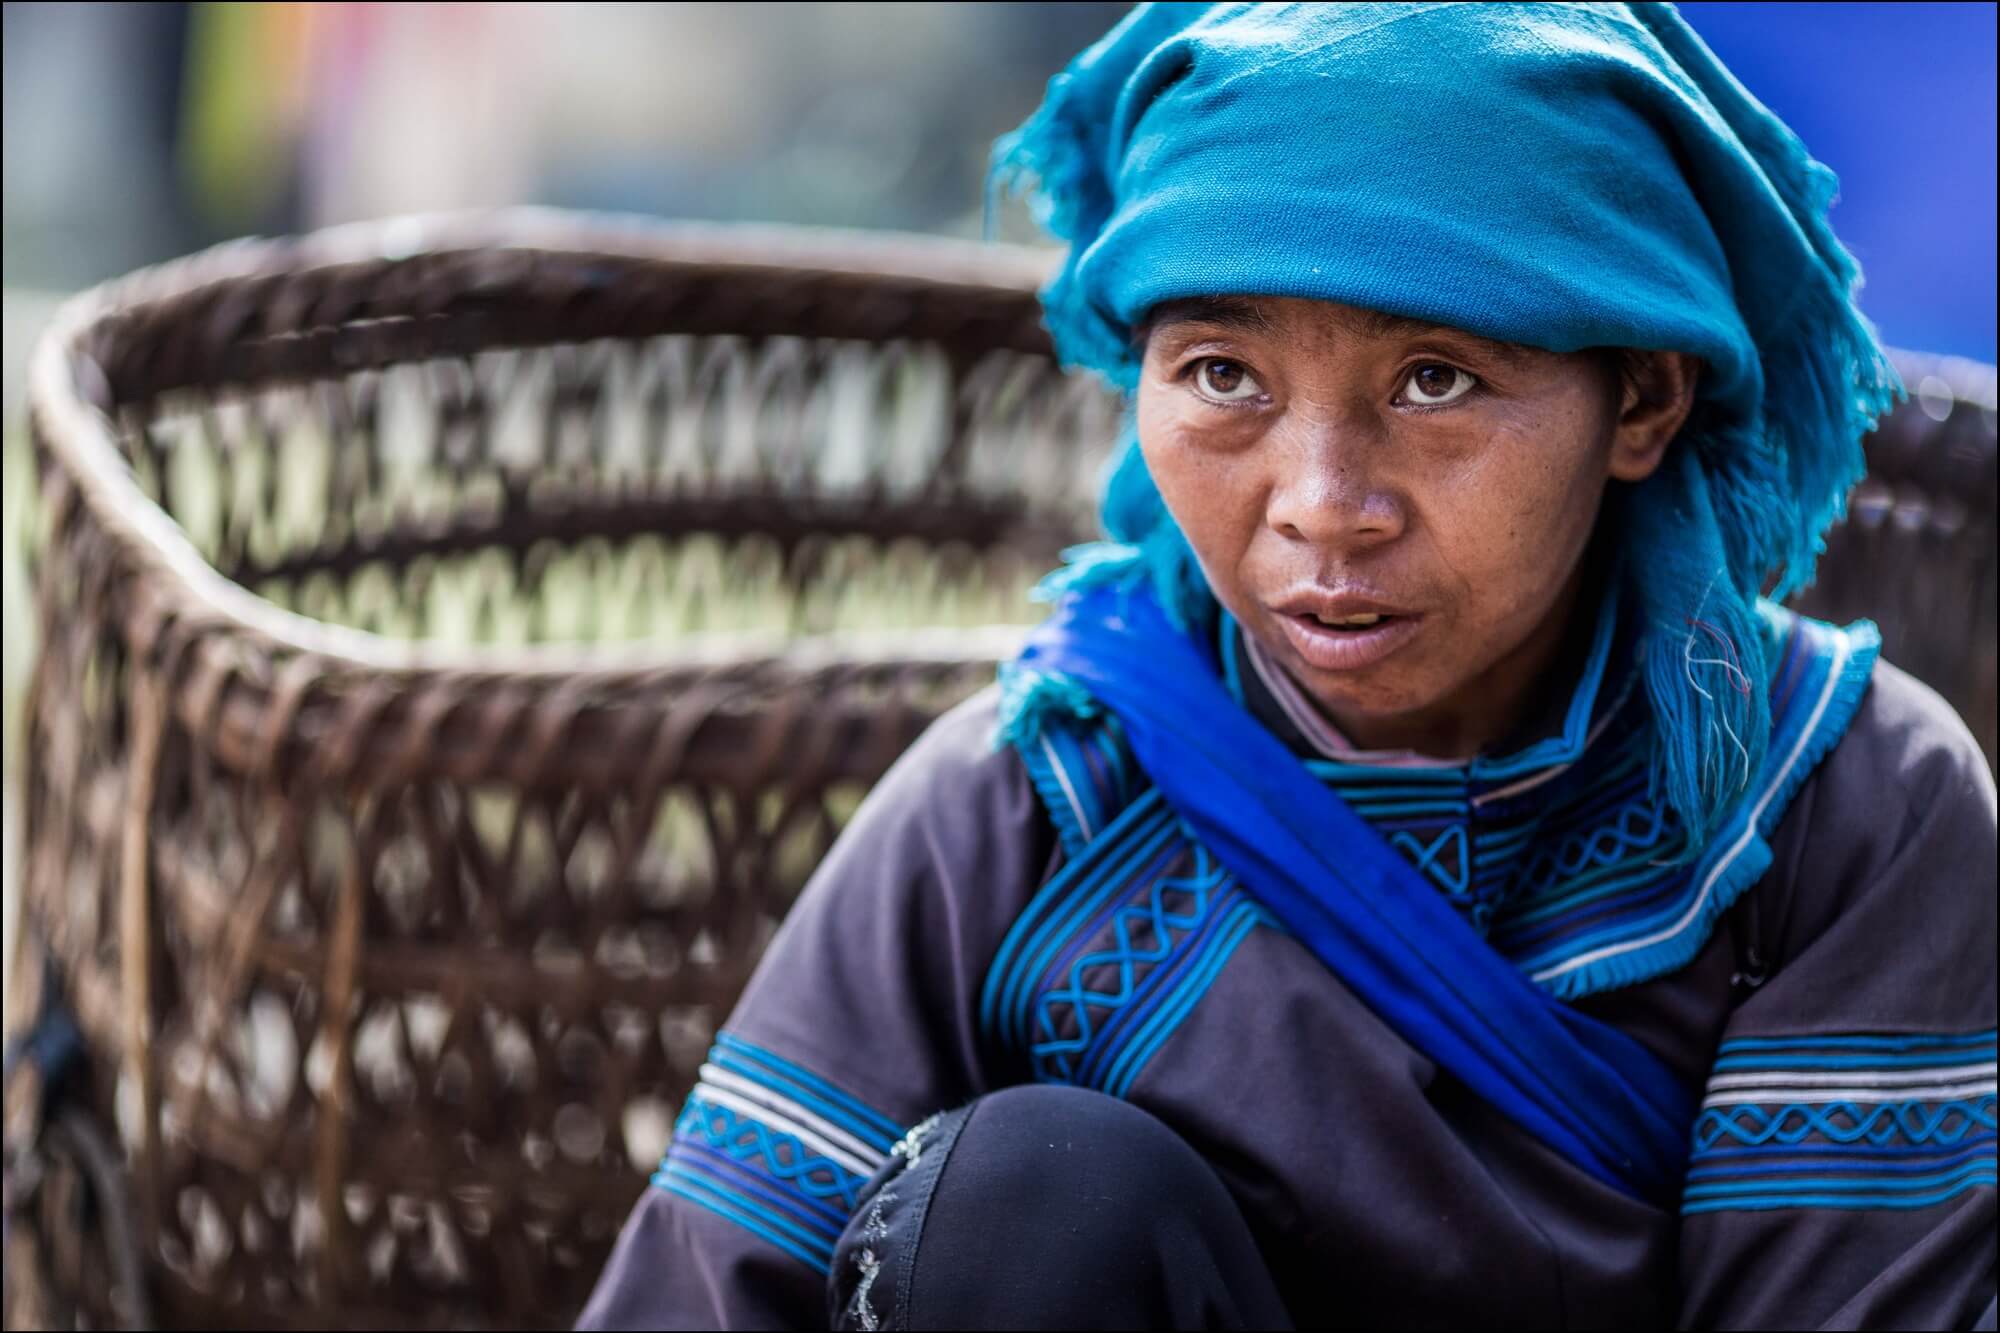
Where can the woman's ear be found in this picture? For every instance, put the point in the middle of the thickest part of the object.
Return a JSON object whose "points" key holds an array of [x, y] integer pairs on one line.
{"points": [[1656, 394]]}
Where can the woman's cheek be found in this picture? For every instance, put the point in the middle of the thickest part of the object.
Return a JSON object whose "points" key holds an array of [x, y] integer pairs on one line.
{"points": [[1502, 541], [1168, 460], [1537, 507], [1204, 480]]}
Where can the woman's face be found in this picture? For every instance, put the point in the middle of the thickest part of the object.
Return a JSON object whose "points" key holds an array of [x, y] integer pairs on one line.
{"points": [[1428, 492]]}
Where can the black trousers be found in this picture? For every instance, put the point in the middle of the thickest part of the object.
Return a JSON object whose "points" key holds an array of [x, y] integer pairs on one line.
{"points": [[1048, 1207]]}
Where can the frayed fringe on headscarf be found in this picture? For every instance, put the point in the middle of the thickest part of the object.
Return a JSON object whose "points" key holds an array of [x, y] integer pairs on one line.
{"points": [[1060, 161], [1701, 653], [1147, 550], [1739, 504]]}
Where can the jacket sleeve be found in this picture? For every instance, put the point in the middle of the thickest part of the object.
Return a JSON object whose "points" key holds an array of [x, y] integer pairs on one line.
{"points": [[857, 1025], [1842, 1173]]}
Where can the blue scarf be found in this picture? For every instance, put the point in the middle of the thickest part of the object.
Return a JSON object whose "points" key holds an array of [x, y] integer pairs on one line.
{"points": [[1560, 176], [1587, 1090]]}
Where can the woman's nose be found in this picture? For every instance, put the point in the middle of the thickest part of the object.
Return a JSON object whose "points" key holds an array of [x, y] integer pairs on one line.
{"points": [[1329, 493]]}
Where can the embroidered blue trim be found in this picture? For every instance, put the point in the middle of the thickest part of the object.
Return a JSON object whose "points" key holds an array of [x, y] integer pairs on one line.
{"points": [[1879, 1123], [1874, 1199], [1443, 859], [1857, 1152], [1146, 916], [1814, 716], [1845, 1121], [732, 1052], [1114, 952], [1578, 880], [781, 1157], [774, 1148], [817, 1214], [731, 1207], [1575, 881], [1002, 1007], [1976, 1149], [1988, 1039], [1065, 808], [1184, 957], [756, 1178], [1243, 917], [1083, 775], [1879, 1061], [1637, 827]]}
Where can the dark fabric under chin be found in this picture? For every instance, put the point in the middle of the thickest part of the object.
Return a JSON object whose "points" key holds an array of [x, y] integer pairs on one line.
{"points": [[1049, 1207]]}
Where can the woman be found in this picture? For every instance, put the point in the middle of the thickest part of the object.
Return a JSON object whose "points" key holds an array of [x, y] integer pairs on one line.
{"points": [[1418, 881]]}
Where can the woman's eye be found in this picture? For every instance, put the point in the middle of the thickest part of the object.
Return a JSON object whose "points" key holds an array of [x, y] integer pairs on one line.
{"points": [[1225, 381], [1434, 384]]}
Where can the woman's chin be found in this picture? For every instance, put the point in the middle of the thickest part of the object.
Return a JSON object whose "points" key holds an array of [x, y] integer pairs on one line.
{"points": [[1360, 712]]}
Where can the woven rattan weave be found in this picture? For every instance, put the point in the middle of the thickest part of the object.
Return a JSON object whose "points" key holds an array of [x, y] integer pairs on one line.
{"points": [[459, 640]]}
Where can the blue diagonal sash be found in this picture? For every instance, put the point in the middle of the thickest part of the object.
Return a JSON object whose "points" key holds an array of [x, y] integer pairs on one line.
{"points": [[1586, 1089]]}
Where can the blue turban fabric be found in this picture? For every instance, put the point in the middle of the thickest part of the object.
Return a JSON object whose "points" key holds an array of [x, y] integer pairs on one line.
{"points": [[1560, 176]]}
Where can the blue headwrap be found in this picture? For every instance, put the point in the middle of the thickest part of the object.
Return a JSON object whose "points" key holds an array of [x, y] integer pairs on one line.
{"points": [[1560, 176]]}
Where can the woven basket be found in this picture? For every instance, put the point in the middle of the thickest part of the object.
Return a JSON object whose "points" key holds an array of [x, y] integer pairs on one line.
{"points": [[396, 922], [396, 954]]}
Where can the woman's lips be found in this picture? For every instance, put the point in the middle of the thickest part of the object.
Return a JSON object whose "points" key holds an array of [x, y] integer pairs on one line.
{"points": [[1329, 649]]}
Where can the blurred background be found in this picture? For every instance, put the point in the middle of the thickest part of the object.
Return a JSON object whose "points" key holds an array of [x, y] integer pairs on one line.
{"points": [[137, 132]]}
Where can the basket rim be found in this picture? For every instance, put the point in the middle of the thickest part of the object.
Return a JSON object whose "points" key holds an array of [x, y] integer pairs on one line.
{"points": [[66, 386]]}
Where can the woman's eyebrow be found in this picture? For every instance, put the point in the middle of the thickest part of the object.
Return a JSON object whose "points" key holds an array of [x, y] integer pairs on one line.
{"points": [[1377, 324], [1248, 316], [1224, 311]]}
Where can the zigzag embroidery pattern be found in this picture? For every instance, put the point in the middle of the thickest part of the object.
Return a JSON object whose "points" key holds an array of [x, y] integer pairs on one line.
{"points": [[782, 1155], [1053, 1055], [1913, 1122], [1845, 1121], [770, 1146]]}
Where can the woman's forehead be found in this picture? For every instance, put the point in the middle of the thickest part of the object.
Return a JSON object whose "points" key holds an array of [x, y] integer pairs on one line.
{"points": [[1271, 315]]}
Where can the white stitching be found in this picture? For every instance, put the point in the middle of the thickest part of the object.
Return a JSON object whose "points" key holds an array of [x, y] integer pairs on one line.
{"points": [[875, 1229], [911, 1145]]}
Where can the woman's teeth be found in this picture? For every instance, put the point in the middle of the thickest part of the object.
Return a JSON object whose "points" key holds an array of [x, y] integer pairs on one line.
{"points": [[1349, 622]]}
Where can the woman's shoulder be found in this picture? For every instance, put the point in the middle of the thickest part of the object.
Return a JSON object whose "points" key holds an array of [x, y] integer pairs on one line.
{"points": [[958, 763], [956, 806], [1900, 815], [1907, 750]]}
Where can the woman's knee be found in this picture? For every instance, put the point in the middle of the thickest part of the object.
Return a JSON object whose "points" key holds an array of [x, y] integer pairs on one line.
{"points": [[1099, 1162], [1050, 1207]]}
